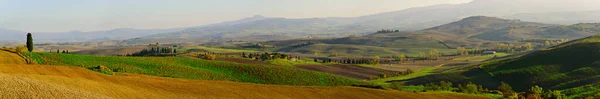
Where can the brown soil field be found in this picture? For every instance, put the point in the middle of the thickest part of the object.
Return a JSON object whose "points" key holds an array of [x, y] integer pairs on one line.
{"points": [[352, 71], [113, 51], [141, 86]]}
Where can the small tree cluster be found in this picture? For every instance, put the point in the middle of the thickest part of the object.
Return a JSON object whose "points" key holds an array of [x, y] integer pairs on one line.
{"points": [[407, 72], [158, 51], [373, 61], [470, 88], [265, 56], [443, 86], [387, 31], [462, 51], [305, 44]]}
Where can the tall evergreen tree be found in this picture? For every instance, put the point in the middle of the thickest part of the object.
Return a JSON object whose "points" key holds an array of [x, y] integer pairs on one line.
{"points": [[29, 42]]}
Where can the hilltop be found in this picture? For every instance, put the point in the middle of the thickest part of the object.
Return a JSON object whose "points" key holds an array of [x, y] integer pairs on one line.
{"points": [[472, 32]]}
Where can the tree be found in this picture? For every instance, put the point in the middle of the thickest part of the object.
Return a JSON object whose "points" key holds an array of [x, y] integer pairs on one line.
{"points": [[446, 85], [536, 90], [469, 88], [528, 46], [434, 54], [555, 94], [19, 49], [401, 57], [421, 55], [376, 60], [29, 42], [397, 85], [505, 88]]}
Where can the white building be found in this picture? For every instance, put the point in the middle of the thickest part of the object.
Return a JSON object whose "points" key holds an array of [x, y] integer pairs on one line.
{"points": [[489, 52]]}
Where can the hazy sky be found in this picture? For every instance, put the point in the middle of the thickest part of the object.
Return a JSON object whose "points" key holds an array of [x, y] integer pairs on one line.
{"points": [[94, 15]]}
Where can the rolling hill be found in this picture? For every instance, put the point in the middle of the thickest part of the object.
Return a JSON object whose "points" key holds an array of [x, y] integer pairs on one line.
{"points": [[472, 32], [193, 68], [75, 82], [45, 81], [260, 28], [571, 66], [412, 19]]}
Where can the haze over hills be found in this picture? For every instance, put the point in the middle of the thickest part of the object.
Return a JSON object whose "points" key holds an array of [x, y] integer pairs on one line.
{"points": [[78, 36], [408, 19], [260, 28], [472, 32]]}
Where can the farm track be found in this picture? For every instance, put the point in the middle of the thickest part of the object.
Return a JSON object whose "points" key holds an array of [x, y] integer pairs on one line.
{"points": [[42, 81]]}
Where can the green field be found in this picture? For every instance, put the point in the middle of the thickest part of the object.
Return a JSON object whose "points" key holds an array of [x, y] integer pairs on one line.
{"points": [[325, 50], [219, 50], [192, 68], [424, 72], [285, 62], [483, 57]]}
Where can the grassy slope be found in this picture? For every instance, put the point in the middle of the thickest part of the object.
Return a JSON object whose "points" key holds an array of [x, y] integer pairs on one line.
{"points": [[420, 73], [218, 50], [284, 62], [567, 67], [64, 80], [360, 50], [191, 68]]}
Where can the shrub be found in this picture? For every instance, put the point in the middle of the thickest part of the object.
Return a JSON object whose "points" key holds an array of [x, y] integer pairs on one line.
{"points": [[397, 85], [536, 90], [505, 88], [470, 88], [555, 94], [209, 57], [432, 87], [382, 75], [446, 85]]}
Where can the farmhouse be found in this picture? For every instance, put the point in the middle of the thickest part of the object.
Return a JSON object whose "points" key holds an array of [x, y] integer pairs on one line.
{"points": [[489, 52]]}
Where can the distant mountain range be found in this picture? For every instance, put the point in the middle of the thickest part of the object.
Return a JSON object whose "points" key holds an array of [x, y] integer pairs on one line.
{"points": [[78, 36], [260, 28]]}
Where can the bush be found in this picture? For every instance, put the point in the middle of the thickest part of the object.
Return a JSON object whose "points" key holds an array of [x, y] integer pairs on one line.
{"points": [[555, 94], [397, 85], [470, 88], [209, 57], [446, 85], [432, 87], [536, 90], [382, 75], [505, 88]]}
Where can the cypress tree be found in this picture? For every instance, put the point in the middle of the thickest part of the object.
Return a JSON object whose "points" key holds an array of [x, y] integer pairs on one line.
{"points": [[29, 42]]}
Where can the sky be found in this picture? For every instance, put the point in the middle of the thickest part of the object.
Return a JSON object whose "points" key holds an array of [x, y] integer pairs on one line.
{"points": [[99, 15]]}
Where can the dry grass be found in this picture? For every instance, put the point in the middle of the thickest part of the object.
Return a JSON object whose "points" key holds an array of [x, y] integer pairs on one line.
{"points": [[10, 58], [140, 86], [19, 87], [41, 81]]}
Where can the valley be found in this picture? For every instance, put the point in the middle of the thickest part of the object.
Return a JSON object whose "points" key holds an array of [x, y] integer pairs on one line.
{"points": [[358, 49]]}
